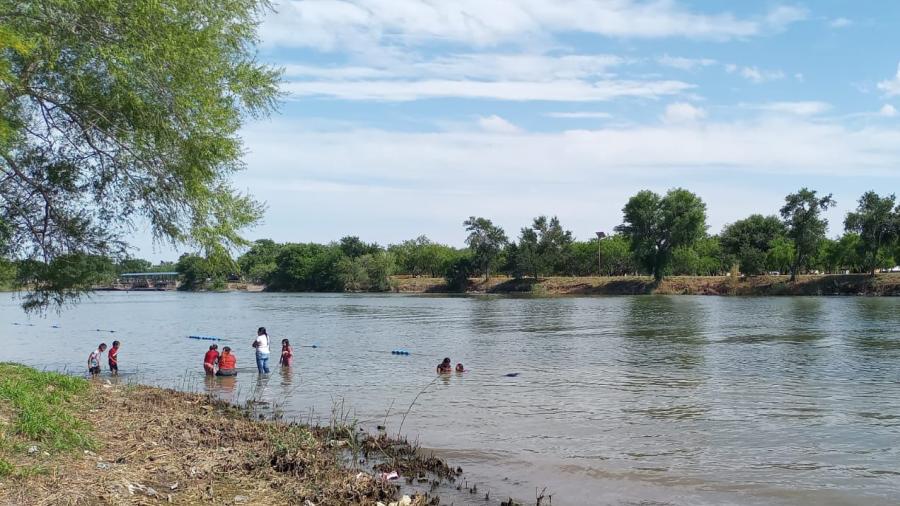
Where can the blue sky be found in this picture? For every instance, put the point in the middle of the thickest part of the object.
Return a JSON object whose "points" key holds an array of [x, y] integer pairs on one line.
{"points": [[404, 117]]}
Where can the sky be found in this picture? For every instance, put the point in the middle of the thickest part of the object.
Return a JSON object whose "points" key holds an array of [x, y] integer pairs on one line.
{"points": [[405, 117]]}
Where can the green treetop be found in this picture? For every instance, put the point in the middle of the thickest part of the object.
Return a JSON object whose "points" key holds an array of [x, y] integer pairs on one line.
{"points": [[115, 113]]}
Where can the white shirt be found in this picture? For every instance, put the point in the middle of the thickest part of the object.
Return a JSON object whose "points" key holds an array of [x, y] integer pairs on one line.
{"points": [[262, 344]]}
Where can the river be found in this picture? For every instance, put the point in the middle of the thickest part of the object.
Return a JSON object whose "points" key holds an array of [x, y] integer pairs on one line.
{"points": [[618, 400]]}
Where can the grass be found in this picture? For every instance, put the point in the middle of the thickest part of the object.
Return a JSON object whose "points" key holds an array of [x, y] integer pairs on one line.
{"points": [[39, 413], [169, 446]]}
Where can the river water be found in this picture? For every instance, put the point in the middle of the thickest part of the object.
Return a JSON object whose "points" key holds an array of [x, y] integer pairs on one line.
{"points": [[618, 400]]}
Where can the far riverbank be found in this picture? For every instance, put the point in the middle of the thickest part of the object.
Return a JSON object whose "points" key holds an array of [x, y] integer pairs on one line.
{"points": [[833, 284]]}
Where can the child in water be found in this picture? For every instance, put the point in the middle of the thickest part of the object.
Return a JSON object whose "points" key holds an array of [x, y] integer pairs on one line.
{"points": [[445, 366], [227, 363], [460, 368], [287, 353], [113, 357], [211, 359], [94, 360]]}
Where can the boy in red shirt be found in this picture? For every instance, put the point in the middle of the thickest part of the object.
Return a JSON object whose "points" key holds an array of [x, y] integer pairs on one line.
{"points": [[211, 359], [113, 356]]}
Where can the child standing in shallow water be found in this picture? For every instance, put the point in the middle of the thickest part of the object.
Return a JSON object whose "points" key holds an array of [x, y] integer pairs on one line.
{"points": [[94, 360], [211, 359], [113, 356], [287, 353]]}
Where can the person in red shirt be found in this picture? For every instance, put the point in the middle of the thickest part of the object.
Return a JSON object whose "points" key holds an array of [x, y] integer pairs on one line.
{"points": [[227, 363], [113, 356], [287, 353], [211, 359]]}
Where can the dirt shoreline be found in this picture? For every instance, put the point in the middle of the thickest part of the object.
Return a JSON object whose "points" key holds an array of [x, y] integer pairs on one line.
{"points": [[146, 445], [832, 284]]}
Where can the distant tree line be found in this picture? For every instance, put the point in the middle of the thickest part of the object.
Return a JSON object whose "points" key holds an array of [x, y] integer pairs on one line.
{"points": [[660, 235]]}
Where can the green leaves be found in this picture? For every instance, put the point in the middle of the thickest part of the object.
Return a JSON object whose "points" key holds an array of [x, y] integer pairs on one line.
{"points": [[802, 215], [115, 112], [878, 226], [486, 242], [656, 225]]}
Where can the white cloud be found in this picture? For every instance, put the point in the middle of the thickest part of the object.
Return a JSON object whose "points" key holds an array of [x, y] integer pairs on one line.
{"points": [[804, 108], [496, 124], [355, 181], [555, 91], [329, 24], [840, 23], [682, 112], [782, 16], [888, 111], [685, 63], [483, 66], [579, 115], [754, 74], [891, 87], [782, 145]]}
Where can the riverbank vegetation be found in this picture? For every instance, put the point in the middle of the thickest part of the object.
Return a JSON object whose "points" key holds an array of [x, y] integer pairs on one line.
{"points": [[661, 236], [66, 440]]}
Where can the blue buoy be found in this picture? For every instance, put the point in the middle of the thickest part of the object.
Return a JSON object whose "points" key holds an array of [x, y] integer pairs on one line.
{"points": [[205, 338]]}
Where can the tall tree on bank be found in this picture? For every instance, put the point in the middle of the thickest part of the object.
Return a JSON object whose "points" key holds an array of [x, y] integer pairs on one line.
{"points": [[878, 227], [543, 247], [123, 112], [802, 216], [750, 240], [486, 241], [655, 225]]}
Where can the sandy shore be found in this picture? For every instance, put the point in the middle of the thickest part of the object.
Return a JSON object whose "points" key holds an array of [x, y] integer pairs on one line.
{"points": [[67, 440]]}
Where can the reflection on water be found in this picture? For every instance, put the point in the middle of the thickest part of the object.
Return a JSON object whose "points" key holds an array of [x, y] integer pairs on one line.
{"points": [[619, 400]]}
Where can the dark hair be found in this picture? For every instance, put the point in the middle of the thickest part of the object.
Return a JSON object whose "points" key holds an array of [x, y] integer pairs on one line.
{"points": [[446, 360], [285, 341], [116, 343], [213, 346], [226, 349], [261, 330], [102, 345]]}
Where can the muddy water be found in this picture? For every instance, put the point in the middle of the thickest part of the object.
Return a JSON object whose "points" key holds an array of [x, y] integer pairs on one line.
{"points": [[624, 400]]}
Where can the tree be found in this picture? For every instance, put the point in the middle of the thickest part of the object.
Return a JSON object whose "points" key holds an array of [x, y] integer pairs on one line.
{"points": [[878, 227], [133, 265], [781, 255], [526, 254], [122, 112], [656, 225], [802, 216], [308, 267], [421, 256], [544, 247], [458, 272], [353, 247], [486, 242], [260, 261], [749, 241]]}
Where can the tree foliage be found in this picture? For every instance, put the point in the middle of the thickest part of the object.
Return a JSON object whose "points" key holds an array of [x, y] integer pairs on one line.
{"points": [[749, 241], [122, 112], [656, 225], [802, 215], [878, 226], [486, 241]]}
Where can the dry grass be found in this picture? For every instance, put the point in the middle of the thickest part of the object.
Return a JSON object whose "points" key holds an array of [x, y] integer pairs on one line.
{"points": [[158, 446]]}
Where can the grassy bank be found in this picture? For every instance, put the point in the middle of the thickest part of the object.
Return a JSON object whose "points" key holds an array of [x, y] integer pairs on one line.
{"points": [[67, 440], [849, 284]]}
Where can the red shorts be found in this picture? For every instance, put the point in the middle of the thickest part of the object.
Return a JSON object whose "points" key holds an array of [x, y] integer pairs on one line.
{"points": [[210, 369]]}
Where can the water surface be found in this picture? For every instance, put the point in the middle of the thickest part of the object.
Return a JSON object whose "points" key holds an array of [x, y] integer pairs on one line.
{"points": [[619, 400]]}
